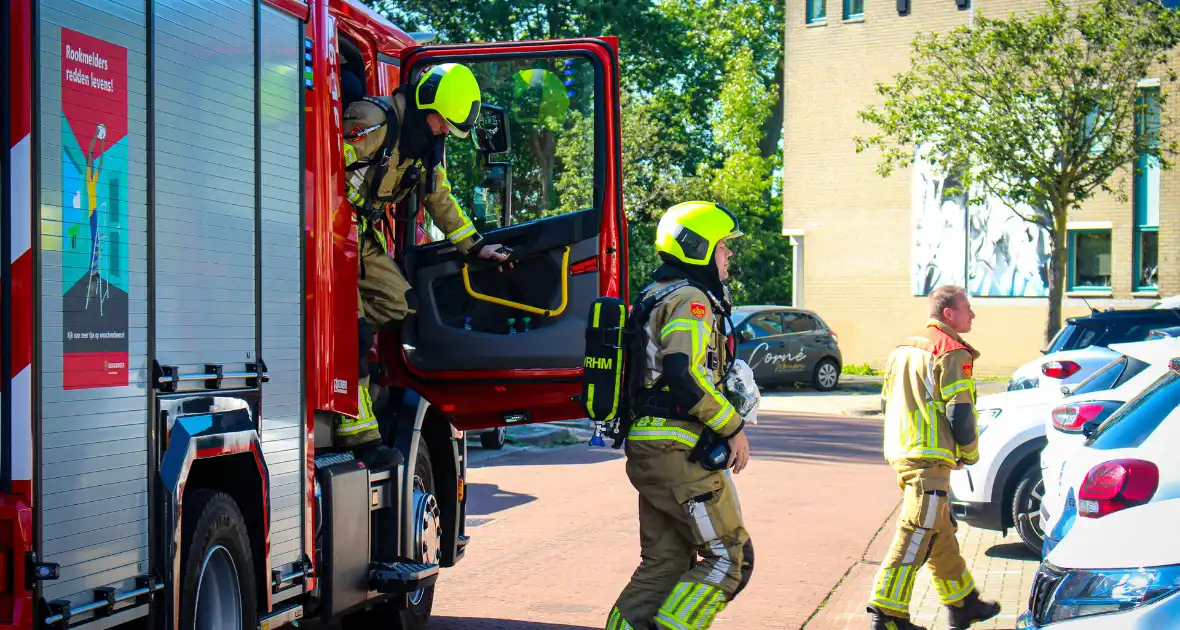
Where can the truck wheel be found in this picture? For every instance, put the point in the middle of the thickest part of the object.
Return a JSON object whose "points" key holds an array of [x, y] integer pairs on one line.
{"points": [[494, 439], [1026, 509], [217, 590], [427, 519]]}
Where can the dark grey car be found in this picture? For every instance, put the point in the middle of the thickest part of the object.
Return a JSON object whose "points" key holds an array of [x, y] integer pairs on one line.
{"points": [[787, 345]]}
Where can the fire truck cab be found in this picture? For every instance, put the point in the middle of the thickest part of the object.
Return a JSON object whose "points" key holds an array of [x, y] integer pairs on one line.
{"points": [[179, 308]]}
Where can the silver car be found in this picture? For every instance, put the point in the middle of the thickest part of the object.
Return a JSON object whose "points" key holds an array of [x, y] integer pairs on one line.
{"points": [[786, 345]]}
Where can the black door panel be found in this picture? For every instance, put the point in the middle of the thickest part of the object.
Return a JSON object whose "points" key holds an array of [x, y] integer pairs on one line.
{"points": [[435, 336]]}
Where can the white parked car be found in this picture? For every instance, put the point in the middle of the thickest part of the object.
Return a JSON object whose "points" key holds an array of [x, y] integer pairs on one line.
{"points": [[1138, 366], [1088, 583], [1002, 489], [1130, 459], [1067, 367]]}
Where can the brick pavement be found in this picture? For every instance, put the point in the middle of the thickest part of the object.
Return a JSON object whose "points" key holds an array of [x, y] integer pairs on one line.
{"points": [[557, 536], [1001, 565]]}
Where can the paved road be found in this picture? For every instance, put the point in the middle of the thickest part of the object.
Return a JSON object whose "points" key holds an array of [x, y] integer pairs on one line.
{"points": [[555, 536]]}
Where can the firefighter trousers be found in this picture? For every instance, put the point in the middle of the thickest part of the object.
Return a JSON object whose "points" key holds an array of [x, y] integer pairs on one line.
{"points": [[925, 534], [380, 299], [684, 511]]}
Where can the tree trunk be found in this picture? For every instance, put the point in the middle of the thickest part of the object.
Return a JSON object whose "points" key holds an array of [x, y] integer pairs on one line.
{"points": [[1057, 279], [772, 127]]}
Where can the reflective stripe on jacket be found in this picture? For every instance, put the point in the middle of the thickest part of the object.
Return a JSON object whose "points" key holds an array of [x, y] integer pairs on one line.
{"points": [[923, 376], [683, 322]]}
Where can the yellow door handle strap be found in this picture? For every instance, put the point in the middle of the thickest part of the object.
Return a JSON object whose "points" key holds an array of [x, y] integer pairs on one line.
{"points": [[565, 263]]}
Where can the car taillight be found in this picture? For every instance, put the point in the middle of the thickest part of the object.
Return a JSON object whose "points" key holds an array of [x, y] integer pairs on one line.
{"points": [[835, 337], [1060, 369], [1117, 485], [1071, 418]]}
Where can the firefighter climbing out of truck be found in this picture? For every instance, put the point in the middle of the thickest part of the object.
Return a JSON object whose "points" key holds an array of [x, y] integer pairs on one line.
{"points": [[391, 143], [685, 434]]}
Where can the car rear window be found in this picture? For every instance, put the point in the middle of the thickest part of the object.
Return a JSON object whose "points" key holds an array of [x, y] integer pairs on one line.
{"points": [[1128, 332], [1134, 423]]}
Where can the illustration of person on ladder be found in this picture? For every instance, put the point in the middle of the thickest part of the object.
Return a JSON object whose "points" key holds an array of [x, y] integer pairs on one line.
{"points": [[93, 172]]}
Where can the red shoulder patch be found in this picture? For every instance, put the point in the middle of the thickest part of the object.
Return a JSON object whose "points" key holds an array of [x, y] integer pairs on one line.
{"points": [[698, 310], [967, 369]]}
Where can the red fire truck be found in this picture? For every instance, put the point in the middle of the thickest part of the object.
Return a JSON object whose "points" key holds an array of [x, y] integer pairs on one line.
{"points": [[179, 317]]}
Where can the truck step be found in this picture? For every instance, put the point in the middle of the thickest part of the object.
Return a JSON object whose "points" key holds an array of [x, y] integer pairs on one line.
{"points": [[401, 577], [331, 459]]}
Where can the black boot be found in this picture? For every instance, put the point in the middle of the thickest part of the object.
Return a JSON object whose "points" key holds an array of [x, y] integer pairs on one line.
{"points": [[883, 621], [377, 456], [973, 610]]}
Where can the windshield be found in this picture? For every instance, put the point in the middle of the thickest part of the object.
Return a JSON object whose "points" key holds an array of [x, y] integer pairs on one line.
{"points": [[1130, 426], [1074, 336]]}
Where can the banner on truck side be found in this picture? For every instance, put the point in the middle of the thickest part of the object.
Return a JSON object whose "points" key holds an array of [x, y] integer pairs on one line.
{"points": [[94, 213]]}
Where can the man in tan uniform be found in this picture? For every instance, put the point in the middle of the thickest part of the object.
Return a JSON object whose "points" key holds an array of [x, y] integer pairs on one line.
{"points": [[381, 170], [686, 510], [929, 400]]}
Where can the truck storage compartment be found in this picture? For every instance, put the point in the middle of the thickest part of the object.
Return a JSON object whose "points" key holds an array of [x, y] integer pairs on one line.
{"points": [[170, 228]]}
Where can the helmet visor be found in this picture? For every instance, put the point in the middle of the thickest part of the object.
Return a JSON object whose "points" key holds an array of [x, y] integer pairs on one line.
{"points": [[463, 128]]}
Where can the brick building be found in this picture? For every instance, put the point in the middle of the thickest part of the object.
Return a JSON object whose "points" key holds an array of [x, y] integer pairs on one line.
{"points": [[868, 249]]}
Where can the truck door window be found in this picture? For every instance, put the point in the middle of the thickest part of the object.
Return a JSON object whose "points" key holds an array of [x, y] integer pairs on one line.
{"points": [[549, 166]]}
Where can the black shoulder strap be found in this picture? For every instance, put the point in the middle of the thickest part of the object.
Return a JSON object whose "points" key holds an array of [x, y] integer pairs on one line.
{"points": [[393, 130]]}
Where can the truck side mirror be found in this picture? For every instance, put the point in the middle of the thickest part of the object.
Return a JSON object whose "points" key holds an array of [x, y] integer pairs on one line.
{"points": [[490, 134]]}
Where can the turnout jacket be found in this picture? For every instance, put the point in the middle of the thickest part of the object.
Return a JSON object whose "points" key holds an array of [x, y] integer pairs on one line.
{"points": [[687, 348], [444, 209], [929, 400]]}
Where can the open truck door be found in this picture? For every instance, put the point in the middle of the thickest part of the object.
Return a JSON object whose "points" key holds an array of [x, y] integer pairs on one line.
{"points": [[541, 173]]}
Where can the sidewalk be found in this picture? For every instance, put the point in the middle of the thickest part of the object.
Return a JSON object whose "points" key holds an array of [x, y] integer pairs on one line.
{"points": [[1002, 568]]}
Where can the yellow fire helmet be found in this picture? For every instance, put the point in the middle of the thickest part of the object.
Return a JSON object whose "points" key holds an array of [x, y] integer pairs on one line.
{"points": [[451, 90], [690, 231]]}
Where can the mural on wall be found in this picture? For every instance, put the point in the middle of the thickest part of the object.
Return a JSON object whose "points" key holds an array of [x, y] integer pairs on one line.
{"points": [[1007, 256], [939, 254], [986, 247]]}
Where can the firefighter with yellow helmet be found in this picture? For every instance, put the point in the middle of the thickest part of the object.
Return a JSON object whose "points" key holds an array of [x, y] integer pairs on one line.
{"points": [[685, 434], [391, 144]]}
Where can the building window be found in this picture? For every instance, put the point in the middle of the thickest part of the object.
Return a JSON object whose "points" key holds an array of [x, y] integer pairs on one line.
{"points": [[817, 12], [1089, 260], [854, 9], [1146, 198]]}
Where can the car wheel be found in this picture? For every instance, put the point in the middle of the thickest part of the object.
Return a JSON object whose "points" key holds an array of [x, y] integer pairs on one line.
{"points": [[826, 376], [494, 439], [1026, 509]]}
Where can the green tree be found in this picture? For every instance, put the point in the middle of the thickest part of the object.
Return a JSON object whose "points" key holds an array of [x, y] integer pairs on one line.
{"points": [[1040, 110], [701, 83]]}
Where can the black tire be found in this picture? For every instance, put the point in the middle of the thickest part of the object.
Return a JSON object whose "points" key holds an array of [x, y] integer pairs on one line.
{"points": [[494, 439], [830, 374], [213, 530], [417, 616], [1027, 500]]}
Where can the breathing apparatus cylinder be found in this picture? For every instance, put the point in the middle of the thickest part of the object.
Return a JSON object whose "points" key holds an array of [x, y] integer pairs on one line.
{"points": [[605, 356]]}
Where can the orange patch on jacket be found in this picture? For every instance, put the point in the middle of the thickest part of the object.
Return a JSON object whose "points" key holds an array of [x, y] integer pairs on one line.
{"points": [[967, 368], [698, 310]]}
